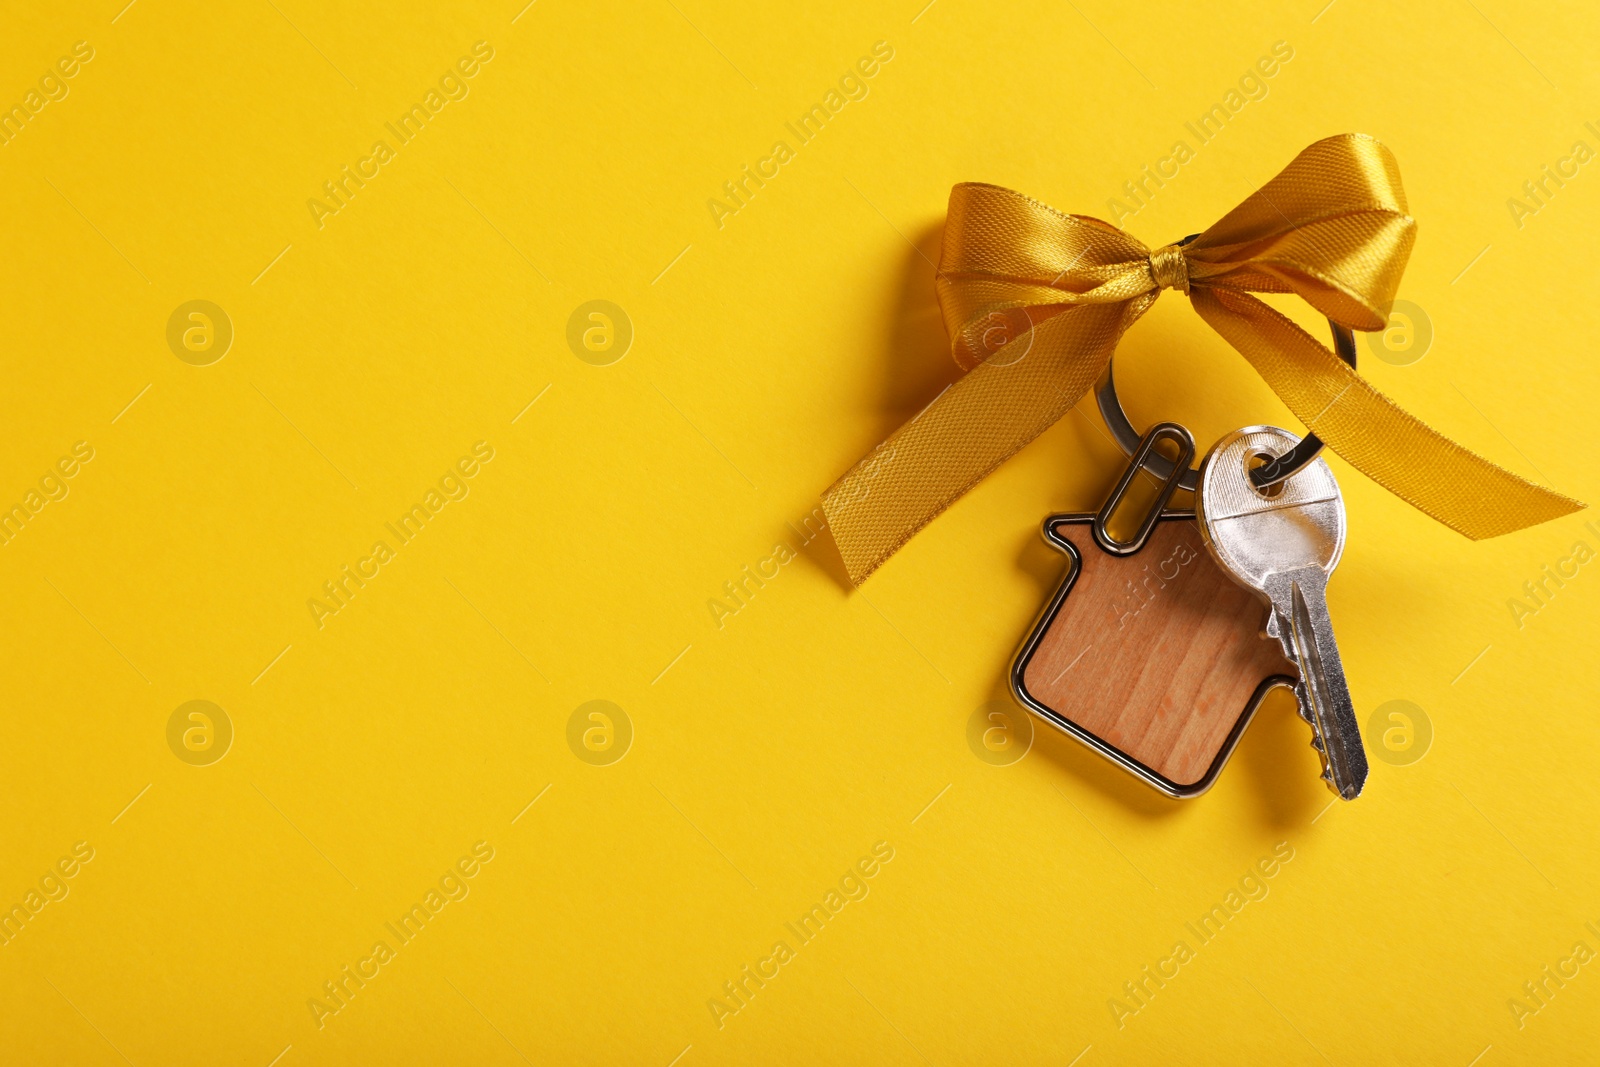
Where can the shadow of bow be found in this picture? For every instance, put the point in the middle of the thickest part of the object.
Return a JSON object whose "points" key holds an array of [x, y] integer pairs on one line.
{"points": [[914, 355], [915, 351]]}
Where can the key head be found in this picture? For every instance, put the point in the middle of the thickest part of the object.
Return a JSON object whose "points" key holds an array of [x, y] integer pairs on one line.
{"points": [[1253, 534]]}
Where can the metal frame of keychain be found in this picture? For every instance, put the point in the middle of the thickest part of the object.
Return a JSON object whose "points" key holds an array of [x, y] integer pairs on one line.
{"points": [[1276, 529]]}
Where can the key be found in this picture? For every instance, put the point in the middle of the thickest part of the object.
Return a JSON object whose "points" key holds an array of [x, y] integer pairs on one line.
{"points": [[1284, 546]]}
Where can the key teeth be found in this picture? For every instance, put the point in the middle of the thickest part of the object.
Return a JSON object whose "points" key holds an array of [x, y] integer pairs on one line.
{"points": [[1302, 704], [1322, 754], [1317, 743], [1327, 768]]}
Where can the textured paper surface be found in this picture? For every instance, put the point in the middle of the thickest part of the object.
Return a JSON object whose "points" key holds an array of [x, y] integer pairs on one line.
{"points": [[441, 720]]}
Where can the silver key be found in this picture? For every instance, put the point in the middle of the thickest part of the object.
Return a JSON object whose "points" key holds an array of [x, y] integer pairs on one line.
{"points": [[1284, 547]]}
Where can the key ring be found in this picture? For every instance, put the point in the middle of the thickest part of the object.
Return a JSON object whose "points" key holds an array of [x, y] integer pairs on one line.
{"points": [[1264, 476]]}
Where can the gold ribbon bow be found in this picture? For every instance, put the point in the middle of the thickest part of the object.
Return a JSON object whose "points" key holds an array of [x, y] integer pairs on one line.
{"points": [[1035, 301]]}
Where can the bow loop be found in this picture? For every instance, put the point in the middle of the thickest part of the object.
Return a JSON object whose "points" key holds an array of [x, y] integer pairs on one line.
{"points": [[1035, 301], [1331, 227], [1344, 175]]}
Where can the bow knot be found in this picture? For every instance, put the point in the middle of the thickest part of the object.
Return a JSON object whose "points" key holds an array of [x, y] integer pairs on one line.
{"points": [[1170, 268], [1332, 228]]}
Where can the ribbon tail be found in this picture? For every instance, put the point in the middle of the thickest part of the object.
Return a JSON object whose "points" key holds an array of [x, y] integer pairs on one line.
{"points": [[976, 424], [1394, 448]]}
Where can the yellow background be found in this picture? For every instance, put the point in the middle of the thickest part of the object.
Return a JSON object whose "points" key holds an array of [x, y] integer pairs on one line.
{"points": [[771, 753]]}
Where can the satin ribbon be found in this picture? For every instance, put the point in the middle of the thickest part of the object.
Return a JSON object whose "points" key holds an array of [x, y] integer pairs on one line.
{"points": [[1035, 301]]}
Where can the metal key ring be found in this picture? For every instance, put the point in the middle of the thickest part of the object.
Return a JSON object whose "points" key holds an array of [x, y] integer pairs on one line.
{"points": [[1264, 476]]}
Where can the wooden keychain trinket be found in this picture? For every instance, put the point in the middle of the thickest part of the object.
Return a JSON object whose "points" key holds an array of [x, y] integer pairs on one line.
{"points": [[1151, 652]]}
